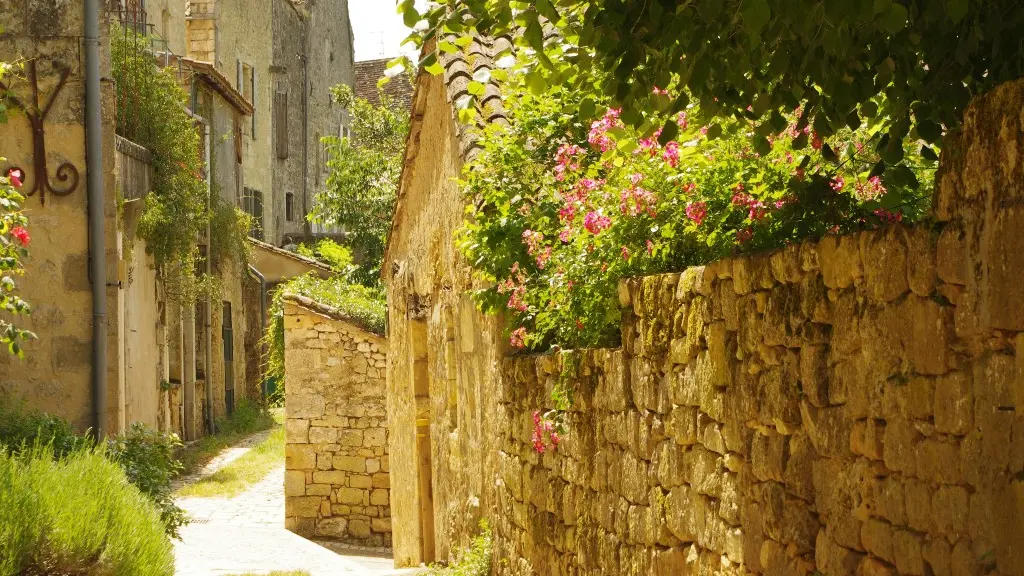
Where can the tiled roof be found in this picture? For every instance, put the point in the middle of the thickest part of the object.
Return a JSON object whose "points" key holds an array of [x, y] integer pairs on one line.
{"points": [[368, 72], [459, 68]]}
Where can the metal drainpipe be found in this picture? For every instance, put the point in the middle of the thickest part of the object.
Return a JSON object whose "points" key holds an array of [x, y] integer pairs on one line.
{"points": [[209, 299], [263, 317], [97, 241]]}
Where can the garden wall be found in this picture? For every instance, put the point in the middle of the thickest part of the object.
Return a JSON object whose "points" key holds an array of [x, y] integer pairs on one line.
{"points": [[337, 485], [854, 405]]}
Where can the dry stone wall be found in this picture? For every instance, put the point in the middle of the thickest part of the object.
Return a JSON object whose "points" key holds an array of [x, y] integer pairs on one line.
{"points": [[337, 485], [852, 406]]}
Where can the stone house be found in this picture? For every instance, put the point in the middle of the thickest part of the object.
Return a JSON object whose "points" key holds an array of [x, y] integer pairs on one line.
{"points": [[845, 406], [441, 350]]}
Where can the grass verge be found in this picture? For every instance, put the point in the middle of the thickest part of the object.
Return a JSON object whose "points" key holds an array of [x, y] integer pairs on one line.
{"points": [[293, 573], [248, 469], [247, 420]]}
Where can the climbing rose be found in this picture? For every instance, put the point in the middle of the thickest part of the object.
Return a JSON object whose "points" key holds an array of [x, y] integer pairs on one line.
{"points": [[21, 234], [595, 223], [671, 154], [518, 338], [625, 253], [837, 183], [16, 177], [697, 211]]}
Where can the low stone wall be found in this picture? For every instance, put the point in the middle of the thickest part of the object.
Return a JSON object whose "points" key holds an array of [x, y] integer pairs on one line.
{"points": [[337, 485], [853, 406]]}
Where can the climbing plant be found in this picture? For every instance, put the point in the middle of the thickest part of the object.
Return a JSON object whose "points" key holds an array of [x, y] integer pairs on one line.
{"points": [[14, 241], [914, 64], [363, 182]]}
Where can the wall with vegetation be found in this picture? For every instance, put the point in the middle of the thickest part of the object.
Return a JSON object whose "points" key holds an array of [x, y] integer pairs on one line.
{"points": [[337, 469], [854, 405], [55, 374]]}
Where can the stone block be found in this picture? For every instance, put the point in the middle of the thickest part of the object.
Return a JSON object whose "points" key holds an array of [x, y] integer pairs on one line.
{"points": [[332, 527], [351, 496], [380, 497], [381, 525], [333, 477], [375, 437], [885, 263], [299, 457], [1004, 256], [950, 509], [682, 516], [318, 490], [834, 559], [350, 464], [678, 561], [920, 260], [939, 461], [322, 435], [954, 404], [359, 528], [302, 506], [877, 537], [901, 441], [381, 480], [840, 261], [294, 483], [299, 405], [936, 553], [360, 481], [768, 456], [296, 431]]}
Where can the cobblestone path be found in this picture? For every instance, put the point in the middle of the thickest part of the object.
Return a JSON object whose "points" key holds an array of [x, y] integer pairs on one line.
{"points": [[246, 534]]}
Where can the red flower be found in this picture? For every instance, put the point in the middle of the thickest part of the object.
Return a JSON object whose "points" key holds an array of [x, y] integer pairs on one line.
{"points": [[21, 234], [16, 176]]}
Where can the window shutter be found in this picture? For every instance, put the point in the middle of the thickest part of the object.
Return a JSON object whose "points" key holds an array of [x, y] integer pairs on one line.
{"points": [[238, 75], [281, 123], [255, 111]]}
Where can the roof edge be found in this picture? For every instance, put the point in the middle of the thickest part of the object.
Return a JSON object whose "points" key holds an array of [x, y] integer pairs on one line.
{"points": [[311, 305]]}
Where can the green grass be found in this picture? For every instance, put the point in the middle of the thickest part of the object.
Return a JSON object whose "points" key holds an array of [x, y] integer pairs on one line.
{"points": [[76, 515], [246, 420], [474, 561], [238, 475]]}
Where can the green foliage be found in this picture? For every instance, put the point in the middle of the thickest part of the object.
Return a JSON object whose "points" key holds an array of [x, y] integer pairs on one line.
{"points": [[561, 209], [247, 419], [148, 460], [363, 183], [14, 239], [146, 456], [363, 306], [229, 234], [338, 257], [474, 561], [916, 62], [76, 514]]}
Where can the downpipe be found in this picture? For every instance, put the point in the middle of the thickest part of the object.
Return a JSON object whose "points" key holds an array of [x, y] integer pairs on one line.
{"points": [[95, 194], [208, 320], [256, 274]]}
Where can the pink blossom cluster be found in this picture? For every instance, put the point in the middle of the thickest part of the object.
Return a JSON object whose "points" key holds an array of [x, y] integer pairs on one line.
{"points": [[598, 136], [837, 183], [871, 190], [650, 145], [518, 337], [887, 216], [535, 248], [566, 160], [543, 427], [696, 212], [636, 200], [515, 287], [595, 222], [671, 154], [756, 209]]}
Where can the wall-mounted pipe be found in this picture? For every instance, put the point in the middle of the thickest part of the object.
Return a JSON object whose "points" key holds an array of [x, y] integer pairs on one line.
{"points": [[97, 241], [263, 318], [305, 135], [208, 320]]}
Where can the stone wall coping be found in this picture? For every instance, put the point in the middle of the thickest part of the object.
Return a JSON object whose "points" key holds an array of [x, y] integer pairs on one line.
{"points": [[129, 148], [311, 305]]}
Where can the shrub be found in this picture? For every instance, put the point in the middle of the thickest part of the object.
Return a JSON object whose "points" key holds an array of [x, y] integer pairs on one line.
{"points": [[561, 209], [148, 460], [21, 428], [76, 515], [247, 418], [474, 561]]}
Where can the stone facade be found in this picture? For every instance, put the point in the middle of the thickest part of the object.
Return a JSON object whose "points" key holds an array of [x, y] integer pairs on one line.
{"points": [[848, 406], [337, 481]]}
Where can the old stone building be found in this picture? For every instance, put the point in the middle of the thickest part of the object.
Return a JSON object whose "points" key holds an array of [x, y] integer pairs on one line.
{"points": [[337, 482], [846, 406]]}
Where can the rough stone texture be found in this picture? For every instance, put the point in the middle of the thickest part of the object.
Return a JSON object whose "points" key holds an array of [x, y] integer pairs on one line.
{"points": [[336, 457], [851, 406]]}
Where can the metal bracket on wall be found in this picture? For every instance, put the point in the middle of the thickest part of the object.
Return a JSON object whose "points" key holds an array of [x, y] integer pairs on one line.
{"points": [[66, 172]]}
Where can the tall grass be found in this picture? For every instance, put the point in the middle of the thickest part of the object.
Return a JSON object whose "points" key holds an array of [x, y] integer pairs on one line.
{"points": [[76, 514]]}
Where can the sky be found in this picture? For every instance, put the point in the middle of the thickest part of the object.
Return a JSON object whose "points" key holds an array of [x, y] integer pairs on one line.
{"points": [[378, 28]]}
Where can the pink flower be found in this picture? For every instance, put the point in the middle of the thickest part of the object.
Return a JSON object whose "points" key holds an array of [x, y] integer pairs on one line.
{"points": [[518, 337], [681, 120], [872, 190], [21, 235], [671, 154], [837, 183], [625, 253], [689, 188], [744, 235], [696, 212], [650, 248], [660, 91], [565, 160], [595, 223], [887, 216], [16, 176], [598, 136], [565, 235], [816, 141]]}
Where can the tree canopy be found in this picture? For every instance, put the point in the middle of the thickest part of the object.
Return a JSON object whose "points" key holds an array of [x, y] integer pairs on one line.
{"points": [[913, 64]]}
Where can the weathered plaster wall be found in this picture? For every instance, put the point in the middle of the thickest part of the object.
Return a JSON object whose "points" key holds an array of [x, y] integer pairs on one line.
{"points": [[441, 355], [55, 374], [337, 483]]}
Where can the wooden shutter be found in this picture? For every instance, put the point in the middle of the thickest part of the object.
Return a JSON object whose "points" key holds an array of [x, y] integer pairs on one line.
{"points": [[281, 123], [255, 111]]}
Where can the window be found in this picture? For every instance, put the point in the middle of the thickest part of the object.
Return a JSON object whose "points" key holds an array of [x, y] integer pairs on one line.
{"points": [[238, 140], [289, 207], [281, 123], [252, 204], [245, 83], [228, 337]]}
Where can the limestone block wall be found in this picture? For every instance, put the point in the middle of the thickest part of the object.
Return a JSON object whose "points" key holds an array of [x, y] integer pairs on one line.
{"points": [[851, 406], [337, 482]]}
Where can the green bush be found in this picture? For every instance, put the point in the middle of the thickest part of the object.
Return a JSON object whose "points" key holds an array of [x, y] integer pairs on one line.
{"points": [[474, 561], [148, 459], [76, 514], [247, 418]]}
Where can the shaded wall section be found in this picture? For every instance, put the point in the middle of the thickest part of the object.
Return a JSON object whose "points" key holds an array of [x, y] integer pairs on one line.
{"points": [[337, 482]]}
